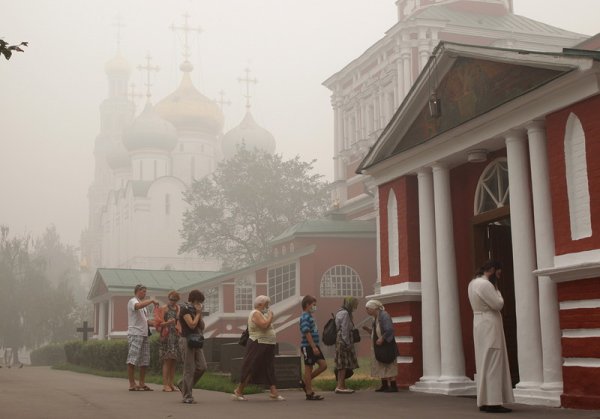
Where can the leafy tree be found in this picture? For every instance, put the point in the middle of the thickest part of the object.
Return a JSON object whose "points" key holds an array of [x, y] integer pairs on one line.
{"points": [[7, 50], [36, 299], [247, 201]]}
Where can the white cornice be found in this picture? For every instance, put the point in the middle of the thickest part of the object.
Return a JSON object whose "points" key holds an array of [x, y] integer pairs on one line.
{"points": [[398, 293], [573, 266]]}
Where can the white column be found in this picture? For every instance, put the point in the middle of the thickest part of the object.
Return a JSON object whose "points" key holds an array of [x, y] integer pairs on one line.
{"points": [[378, 245], [102, 320], [544, 239], [423, 48], [526, 289], [452, 356], [399, 69], [430, 314]]}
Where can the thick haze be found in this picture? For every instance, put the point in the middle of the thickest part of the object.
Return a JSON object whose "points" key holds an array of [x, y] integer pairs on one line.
{"points": [[50, 95]]}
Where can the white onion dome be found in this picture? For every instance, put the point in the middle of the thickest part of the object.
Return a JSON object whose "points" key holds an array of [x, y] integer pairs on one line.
{"points": [[149, 130], [188, 109], [117, 66], [117, 157], [249, 134]]}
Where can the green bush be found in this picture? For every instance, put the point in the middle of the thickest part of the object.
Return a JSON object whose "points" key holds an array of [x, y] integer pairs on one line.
{"points": [[51, 354]]}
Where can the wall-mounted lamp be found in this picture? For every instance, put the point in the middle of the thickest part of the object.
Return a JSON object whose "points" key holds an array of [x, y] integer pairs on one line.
{"points": [[477, 156], [435, 105]]}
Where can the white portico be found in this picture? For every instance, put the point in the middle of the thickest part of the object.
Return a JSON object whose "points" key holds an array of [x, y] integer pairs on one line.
{"points": [[481, 165]]}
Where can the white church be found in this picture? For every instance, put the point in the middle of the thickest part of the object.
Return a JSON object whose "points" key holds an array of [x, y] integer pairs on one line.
{"points": [[144, 163]]}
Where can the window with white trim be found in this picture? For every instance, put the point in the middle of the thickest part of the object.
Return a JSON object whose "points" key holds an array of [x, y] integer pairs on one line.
{"points": [[282, 282], [393, 239], [578, 190], [244, 293], [211, 300], [492, 190], [341, 281]]}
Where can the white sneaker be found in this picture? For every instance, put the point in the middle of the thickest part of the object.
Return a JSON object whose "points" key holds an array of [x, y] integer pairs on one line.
{"points": [[238, 397]]}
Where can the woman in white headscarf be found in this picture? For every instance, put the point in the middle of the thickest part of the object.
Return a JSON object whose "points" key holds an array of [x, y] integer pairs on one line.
{"points": [[382, 333]]}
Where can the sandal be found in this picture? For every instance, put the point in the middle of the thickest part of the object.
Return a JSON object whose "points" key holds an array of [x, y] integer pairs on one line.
{"points": [[313, 396], [276, 397], [133, 389], [238, 397], [144, 388]]}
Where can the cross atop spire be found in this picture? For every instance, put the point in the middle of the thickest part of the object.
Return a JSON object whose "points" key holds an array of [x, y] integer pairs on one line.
{"points": [[221, 101], [119, 25], [247, 80], [148, 69], [186, 29]]}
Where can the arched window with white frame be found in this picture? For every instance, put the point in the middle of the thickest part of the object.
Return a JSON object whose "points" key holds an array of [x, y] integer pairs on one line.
{"points": [[492, 189], [341, 281], [577, 179], [393, 233]]}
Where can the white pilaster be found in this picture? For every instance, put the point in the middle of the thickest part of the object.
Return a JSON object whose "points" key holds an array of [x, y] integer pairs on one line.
{"points": [[526, 290], [102, 320], [430, 314], [451, 347], [544, 239]]}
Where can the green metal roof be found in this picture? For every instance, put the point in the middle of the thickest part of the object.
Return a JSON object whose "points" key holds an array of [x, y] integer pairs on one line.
{"points": [[507, 22], [127, 279], [328, 227]]}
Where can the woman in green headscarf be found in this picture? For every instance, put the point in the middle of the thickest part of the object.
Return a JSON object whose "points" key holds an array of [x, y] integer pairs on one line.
{"points": [[345, 355]]}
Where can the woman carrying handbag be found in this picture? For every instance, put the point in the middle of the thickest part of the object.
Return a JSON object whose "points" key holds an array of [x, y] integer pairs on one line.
{"points": [[385, 351]]}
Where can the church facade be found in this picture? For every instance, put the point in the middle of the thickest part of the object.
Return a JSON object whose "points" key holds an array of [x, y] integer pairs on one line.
{"points": [[495, 161], [389, 88]]}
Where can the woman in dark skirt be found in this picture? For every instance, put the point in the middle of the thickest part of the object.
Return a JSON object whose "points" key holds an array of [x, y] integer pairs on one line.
{"points": [[345, 354], [259, 362]]}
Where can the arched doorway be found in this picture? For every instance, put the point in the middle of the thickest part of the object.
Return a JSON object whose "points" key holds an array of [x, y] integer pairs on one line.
{"points": [[492, 240]]}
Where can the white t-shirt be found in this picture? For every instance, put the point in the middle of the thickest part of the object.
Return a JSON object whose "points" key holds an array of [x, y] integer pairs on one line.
{"points": [[137, 319]]}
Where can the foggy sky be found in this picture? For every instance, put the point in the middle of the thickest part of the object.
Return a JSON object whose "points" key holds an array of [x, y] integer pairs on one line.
{"points": [[50, 95]]}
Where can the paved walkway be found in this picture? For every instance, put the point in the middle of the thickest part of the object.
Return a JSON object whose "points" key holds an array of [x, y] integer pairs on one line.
{"points": [[40, 392]]}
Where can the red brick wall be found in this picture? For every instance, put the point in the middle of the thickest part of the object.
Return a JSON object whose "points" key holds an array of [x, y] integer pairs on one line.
{"points": [[120, 314], [408, 373], [580, 384], [406, 191], [587, 111]]}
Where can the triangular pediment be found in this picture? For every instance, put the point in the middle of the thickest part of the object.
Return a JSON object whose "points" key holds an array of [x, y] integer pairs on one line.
{"points": [[469, 89], [467, 81]]}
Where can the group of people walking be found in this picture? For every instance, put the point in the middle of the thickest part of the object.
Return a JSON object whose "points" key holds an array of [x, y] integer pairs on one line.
{"points": [[177, 324]]}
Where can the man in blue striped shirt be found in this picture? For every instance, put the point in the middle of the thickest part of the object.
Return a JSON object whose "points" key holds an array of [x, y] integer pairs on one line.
{"points": [[309, 346]]}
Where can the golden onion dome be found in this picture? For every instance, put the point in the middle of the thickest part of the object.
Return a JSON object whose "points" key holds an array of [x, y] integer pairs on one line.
{"points": [[249, 135], [188, 109], [117, 65]]}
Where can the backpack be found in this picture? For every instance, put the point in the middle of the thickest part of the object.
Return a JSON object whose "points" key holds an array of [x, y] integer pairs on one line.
{"points": [[329, 332]]}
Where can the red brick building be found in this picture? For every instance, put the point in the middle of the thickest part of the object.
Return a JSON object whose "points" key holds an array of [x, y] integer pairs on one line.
{"points": [[492, 154]]}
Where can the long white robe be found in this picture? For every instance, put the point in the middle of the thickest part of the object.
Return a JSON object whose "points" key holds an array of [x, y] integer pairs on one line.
{"points": [[494, 385]]}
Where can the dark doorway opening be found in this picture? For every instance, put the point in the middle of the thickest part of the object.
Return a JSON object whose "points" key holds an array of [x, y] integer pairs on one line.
{"points": [[492, 240]]}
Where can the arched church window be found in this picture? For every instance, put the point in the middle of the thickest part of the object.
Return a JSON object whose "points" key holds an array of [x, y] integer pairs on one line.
{"points": [[244, 293], [341, 281], [578, 190], [393, 239], [492, 189]]}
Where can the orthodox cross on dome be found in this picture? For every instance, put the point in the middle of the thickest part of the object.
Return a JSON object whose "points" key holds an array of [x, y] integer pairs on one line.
{"points": [[133, 95], [119, 25], [186, 29], [148, 69], [221, 101], [247, 80]]}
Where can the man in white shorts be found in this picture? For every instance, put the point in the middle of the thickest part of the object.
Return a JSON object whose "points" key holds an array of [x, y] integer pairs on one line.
{"points": [[137, 338]]}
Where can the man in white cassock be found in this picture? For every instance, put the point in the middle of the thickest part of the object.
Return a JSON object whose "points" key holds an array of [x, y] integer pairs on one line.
{"points": [[494, 387]]}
